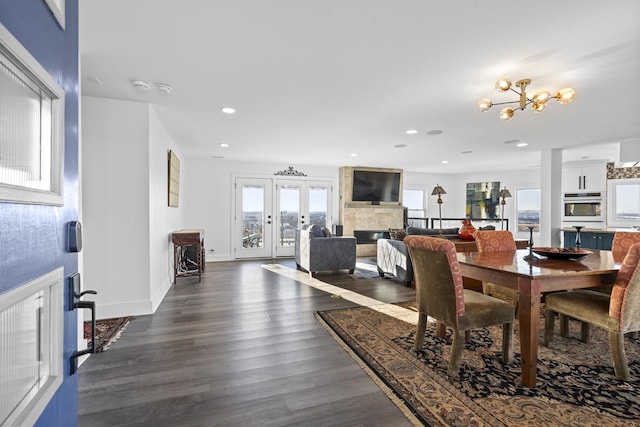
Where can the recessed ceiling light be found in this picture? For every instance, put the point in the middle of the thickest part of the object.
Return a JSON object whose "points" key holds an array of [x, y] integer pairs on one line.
{"points": [[584, 157], [217, 157], [94, 80], [400, 145], [411, 131], [164, 88], [521, 144], [444, 162], [434, 132], [140, 85], [466, 152], [512, 141], [224, 145], [228, 110], [354, 154]]}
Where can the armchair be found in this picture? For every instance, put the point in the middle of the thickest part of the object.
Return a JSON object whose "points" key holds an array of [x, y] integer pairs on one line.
{"points": [[314, 252]]}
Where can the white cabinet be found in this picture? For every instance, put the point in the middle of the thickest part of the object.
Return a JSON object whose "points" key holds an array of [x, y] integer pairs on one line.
{"points": [[587, 178]]}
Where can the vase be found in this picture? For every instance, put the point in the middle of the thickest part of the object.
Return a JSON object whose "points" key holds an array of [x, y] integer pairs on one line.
{"points": [[467, 230]]}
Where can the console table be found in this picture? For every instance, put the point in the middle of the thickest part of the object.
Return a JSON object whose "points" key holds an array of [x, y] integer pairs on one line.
{"points": [[183, 264]]}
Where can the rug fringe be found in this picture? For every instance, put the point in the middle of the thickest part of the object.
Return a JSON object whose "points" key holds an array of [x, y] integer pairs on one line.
{"points": [[400, 403], [113, 339]]}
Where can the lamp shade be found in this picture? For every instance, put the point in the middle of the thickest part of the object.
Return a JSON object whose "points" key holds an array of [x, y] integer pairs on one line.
{"points": [[565, 95], [504, 193], [438, 190], [484, 104]]}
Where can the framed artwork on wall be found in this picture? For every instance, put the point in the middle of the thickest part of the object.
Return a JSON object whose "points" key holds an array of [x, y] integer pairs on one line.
{"points": [[57, 10], [174, 179], [483, 200]]}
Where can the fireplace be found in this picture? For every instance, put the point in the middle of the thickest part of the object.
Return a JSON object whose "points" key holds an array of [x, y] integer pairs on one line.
{"points": [[369, 237]]}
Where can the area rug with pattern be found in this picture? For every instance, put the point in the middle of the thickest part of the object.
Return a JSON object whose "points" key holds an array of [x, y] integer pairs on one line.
{"points": [[576, 385], [107, 331]]}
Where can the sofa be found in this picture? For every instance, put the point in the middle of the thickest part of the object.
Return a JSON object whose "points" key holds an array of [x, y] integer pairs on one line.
{"points": [[317, 250], [392, 256]]}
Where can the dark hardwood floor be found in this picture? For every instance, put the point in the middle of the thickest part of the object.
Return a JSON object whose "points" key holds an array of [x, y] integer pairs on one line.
{"points": [[241, 348]]}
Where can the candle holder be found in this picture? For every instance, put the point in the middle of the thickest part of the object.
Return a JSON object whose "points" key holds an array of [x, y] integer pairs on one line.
{"points": [[578, 241], [530, 255]]}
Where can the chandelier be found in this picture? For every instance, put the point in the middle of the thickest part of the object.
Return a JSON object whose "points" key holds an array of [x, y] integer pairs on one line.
{"points": [[538, 101]]}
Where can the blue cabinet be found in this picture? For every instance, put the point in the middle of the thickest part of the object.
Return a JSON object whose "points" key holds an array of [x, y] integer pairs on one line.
{"points": [[590, 239]]}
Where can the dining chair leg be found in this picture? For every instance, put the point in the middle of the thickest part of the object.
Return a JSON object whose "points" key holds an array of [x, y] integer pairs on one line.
{"points": [[585, 332], [507, 343], [564, 325], [441, 329], [420, 329], [616, 346], [456, 353], [549, 325]]}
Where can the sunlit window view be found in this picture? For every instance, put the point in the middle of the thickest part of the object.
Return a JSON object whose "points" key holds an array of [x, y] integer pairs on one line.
{"points": [[252, 216], [289, 214], [318, 198], [413, 200], [528, 202], [627, 202]]}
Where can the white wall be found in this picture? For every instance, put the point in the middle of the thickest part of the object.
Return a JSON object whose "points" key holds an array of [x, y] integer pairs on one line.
{"points": [[208, 193], [125, 213], [207, 187], [162, 218], [454, 202]]}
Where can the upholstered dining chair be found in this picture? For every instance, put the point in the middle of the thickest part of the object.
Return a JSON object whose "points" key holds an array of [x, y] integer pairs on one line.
{"points": [[497, 241], [622, 241], [440, 294], [617, 313]]}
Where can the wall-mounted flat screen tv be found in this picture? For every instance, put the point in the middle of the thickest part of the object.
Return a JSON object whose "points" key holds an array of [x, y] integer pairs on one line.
{"points": [[372, 186]]}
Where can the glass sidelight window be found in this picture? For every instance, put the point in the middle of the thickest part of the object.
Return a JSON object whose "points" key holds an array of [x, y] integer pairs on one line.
{"points": [[31, 129]]}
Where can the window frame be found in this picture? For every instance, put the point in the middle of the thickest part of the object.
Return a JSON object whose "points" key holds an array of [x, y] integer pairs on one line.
{"points": [[20, 58], [611, 203]]}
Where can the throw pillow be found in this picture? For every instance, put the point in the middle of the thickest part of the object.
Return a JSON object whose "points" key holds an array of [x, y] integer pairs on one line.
{"points": [[326, 232], [316, 231], [397, 233]]}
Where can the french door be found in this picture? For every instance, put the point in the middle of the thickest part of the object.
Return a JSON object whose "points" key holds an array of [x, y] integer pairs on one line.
{"points": [[269, 210]]}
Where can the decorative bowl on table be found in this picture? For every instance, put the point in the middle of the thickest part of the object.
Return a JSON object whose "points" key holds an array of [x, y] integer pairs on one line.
{"points": [[562, 253]]}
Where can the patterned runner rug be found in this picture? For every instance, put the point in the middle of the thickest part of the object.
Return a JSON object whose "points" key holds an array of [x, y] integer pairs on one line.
{"points": [[107, 331], [576, 384]]}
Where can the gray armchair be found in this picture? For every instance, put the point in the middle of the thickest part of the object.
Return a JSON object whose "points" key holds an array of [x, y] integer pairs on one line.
{"points": [[314, 252]]}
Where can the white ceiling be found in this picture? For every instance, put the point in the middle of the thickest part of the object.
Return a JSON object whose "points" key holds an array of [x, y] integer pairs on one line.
{"points": [[315, 81]]}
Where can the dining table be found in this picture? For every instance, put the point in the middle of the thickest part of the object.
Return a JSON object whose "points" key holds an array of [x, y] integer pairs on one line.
{"points": [[532, 276]]}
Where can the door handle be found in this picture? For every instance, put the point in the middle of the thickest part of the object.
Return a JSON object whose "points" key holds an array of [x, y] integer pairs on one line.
{"points": [[75, 303]]}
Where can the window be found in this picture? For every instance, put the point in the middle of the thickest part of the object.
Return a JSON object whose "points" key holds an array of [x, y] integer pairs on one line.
{"points": [[31, 326], [31, 131], [623, 202], [414, 200], [528, 205]]}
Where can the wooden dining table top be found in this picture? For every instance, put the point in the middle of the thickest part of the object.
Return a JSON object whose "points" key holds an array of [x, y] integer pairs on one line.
{"points": [[597, 262]]}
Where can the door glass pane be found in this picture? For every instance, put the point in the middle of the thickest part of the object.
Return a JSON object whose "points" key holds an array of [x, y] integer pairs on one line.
{"points": [[252, 216], [289, 197], [318, 197], [528, 202]]}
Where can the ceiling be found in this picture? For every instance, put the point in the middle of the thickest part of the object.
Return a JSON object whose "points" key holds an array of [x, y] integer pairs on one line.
{"points": [[314, 82]]}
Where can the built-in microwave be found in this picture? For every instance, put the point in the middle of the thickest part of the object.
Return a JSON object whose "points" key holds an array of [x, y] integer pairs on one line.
{"points": [[583, 207]]}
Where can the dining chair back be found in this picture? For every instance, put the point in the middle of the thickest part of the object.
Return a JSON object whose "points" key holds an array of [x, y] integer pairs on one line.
{"points": [[497, 241], [440, 294], [622, 241], [617, 313]]}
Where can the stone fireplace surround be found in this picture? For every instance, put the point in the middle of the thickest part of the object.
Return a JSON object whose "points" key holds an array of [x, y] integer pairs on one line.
{"points": [[370, 221]]}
